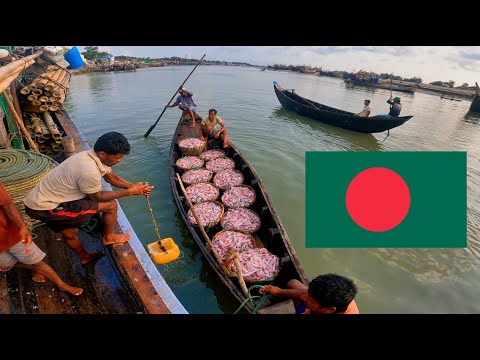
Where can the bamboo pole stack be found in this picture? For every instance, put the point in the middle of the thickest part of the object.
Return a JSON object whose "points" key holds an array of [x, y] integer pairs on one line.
{"points": [[43, 129], [47, 91]]}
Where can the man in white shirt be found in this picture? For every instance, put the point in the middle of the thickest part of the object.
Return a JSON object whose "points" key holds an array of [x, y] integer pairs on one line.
{"points": [[366, 110], [71, 193]]}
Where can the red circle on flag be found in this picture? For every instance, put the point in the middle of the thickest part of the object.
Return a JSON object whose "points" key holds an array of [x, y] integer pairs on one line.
{"points": [[378, 199]]}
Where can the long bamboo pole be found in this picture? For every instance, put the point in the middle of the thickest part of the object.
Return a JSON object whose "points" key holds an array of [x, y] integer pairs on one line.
{"points": [[18, 65], [32, 144], [202, 230]]}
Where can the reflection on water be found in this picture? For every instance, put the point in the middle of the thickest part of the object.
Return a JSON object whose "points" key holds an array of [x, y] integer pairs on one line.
{"points": [[274, 141]]}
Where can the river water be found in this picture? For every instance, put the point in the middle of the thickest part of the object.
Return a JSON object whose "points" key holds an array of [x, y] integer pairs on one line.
{"points": [[274, 140]]}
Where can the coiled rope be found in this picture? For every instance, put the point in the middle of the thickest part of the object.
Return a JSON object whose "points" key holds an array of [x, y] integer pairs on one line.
{"points": [[250, 299], [20, 171]]}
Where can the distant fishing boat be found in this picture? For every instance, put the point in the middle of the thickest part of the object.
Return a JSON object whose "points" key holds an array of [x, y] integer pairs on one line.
{"points": [[344, 119]]}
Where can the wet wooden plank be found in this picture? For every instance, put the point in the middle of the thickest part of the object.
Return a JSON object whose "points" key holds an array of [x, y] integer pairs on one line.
{"points": [[26, 291], [12, 290], [107, 285], [4, 295], [50, 299]]}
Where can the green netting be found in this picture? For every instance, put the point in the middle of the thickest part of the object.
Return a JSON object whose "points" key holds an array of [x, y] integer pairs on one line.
{"points": [[12, 128]]}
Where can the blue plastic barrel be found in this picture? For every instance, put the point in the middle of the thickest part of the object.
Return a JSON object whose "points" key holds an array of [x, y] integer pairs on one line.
{"points": [[74, 59]]}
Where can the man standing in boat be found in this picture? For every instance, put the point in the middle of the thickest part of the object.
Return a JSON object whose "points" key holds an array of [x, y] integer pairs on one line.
{"points": [[395, 107], [70, 194], [186, 103], [208, 128]]}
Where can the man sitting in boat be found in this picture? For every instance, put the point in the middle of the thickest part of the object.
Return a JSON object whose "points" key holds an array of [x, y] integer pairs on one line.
{"points": [[326, 294], [366, 110], [395, 107], [186, 103], [208, 128], [71, 193], [18, 250]]}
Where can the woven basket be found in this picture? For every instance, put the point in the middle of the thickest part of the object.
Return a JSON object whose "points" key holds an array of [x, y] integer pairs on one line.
{"points": [[213, 165], [240, 204], [228, 225], [229, 186], [197, 199], [212, 223], [212, 154], [220, 233], [253, 278], [184, 168], [207, 179], [192, 151]]}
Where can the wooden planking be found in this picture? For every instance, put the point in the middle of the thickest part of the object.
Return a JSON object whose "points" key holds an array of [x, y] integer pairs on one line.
{"points": [[4, 295], [26, 291], [51, 300], [12, 292], [104, 279]]}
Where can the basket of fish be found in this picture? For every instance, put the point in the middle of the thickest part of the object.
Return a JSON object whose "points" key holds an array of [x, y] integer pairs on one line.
{"points": [[209, 213], [239, 196], [212, 154], [239, 241], [258, 265], [186, 163], [241, 219], [226, 179], [191, 146], [201, 192], [220, 164], [196, 176]]}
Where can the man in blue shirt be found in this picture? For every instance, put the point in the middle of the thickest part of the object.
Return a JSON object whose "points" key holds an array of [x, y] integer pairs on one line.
{"points": [[186, 103]]}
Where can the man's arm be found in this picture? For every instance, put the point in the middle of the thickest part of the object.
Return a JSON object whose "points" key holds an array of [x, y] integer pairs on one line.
{"points": [[12, 213], [116, 180], [138, 188], [294, 294]]}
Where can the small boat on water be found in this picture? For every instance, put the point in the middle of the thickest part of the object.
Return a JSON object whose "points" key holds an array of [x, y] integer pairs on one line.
{"points": [[124, 281], [270, 236], [336, 117]]}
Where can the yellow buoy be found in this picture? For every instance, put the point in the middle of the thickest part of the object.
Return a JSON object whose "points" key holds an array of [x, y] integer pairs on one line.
{"points": [[163, 252]]}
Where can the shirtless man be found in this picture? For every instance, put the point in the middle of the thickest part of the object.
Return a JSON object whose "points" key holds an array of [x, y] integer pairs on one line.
{"points": [[70, 194]]}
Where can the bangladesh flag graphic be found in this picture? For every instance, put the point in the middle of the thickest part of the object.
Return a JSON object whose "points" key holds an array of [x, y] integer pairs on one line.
{"points": [[386, 199]]}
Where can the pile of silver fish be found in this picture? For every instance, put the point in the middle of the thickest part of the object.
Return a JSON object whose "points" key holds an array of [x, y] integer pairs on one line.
{"points": [[197, 176], [208, 212], [224, 240], [189, 162], [241, 219], [220, 164]]}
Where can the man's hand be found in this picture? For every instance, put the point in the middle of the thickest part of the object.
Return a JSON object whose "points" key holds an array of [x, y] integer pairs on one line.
{"points": [[140, 188], [270, 289], [25, 235]]}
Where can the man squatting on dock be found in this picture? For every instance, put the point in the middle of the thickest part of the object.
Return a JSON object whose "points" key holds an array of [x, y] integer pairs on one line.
{"points": [[70, 194]]}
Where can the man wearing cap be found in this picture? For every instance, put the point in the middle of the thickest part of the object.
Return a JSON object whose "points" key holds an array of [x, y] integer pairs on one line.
{"points": [[395, 106], [186, 103]]}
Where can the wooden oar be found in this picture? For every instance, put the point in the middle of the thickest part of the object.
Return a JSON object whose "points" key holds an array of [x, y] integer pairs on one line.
{"points": [[165, 108], [202, 230]]}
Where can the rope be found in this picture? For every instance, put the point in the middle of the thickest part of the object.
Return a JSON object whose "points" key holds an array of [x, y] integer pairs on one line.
{"points": [[250, 298], [20, 171], [155, 225]]}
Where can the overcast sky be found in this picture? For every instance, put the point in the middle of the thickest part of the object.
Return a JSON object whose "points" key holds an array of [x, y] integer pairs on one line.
{"points": [[458, 63]]}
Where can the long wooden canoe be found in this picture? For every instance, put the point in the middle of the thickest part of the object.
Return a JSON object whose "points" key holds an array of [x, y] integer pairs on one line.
{"points": [[272, 234], [336, 117]]}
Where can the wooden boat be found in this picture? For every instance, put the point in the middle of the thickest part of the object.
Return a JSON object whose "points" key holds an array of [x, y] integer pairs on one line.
{"points": [[124, 281], [344, 119], [272, 234]]}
